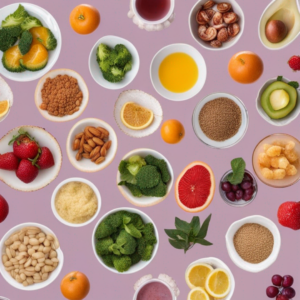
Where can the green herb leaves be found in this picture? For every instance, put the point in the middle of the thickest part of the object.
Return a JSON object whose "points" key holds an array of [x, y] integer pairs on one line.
{"points": [[186, 235], [294, 84], [238, 166]]}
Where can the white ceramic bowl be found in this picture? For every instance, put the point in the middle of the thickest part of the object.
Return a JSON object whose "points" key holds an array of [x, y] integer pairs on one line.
{"points": [[36, 286], [161, 55], [6, 94], [145, 201], [254, 268], [86, 165], [75, 179], [95, 71], [277, 122], [82, 85], [140, 265], [48, 21], [233, 140], [194, 25], [217, 263], [44, 177]]}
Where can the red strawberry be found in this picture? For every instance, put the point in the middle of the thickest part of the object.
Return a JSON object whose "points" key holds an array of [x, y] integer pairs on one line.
{"points": [[4, 209], [8, 161], [289, 215], [294, 63], [45, 159], [26, 171]]}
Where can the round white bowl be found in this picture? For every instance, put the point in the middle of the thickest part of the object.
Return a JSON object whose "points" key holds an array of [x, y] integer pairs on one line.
{"points": [[193, 25], [75, 179], [254, 268], [216, 263], [86, 165], [277, 122], [161, 55], [44, 177], [95, 71], [6, 94], [82, 85], [227, 143], [48, 21], [140, 265], [36, 286], [145, 201]]}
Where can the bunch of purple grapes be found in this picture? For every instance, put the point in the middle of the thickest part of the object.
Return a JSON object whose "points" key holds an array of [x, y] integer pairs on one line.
{"points": [[282, 289]]}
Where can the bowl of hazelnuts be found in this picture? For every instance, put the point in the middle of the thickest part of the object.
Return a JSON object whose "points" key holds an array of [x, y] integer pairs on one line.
{"points": [[216, 25]]}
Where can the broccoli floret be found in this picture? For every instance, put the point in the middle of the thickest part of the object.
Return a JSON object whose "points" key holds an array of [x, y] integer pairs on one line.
{"points": [[102, 246], [15, 18], [135, 258], [134, 189], [112, 57], [159, 190], [45, 36], [147, 254], [25, 42], [109, 225], [147, 177], [128, 66], [14, 31], [6, 40], [121, 263], [30, 22], [149, 234], [108, 260], [123, 57], [103, 52], [111, 78], [104, 65], [117, 72], [161, 165], [136, 220], [144, 250], [125, 244]]}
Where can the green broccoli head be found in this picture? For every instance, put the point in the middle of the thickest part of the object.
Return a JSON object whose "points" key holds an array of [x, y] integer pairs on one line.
{"points": [[121, 263], [128, 66], [30, 22], [147, 177], [147, 254], [161, 165], [123, 57], [25, 42], [112, 78], [102, 246], [104, 65], [15, 18], [6, 40], [109, 225], [103, 52], [135, 258], [108, 260], [117, 72], [159, 190], [134, 189], [112, 57], [149, 234], [125, 244]]}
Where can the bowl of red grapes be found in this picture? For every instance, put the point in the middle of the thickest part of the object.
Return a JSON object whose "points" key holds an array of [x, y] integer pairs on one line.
{"points": [[238, 194], [281, 288]]}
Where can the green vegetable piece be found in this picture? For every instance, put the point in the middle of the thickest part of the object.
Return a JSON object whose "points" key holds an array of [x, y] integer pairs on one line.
{"points": [[25, 42], [125, 244], [135, 258], [121, 263], [128, 66], [149, 234], [103, 52], [159, 190], [147, 254], [30, 22], [123, 57], [161, 165], [112, 78], [104, 66], [6, 40], [238, 166], [294, 84], [108, 260], [109, 225], [125, 174], [102, 246], [130, 228], [135, 163], [148, 177], [15, 18], [11, 60], [279, 78]]}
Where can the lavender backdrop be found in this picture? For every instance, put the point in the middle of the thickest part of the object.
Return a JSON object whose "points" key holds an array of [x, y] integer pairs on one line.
{"points": [[76, 242]]}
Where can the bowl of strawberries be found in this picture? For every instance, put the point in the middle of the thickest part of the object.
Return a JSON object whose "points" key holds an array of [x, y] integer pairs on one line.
{"points": [[30, 158]]}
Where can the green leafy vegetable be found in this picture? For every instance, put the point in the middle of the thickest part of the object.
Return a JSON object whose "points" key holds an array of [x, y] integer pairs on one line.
{"points": [[294, 84], [238, 166], [279, 78]]}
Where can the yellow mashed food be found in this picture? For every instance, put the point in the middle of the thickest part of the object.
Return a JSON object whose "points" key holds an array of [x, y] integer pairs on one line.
{"points": [[76, 202]]}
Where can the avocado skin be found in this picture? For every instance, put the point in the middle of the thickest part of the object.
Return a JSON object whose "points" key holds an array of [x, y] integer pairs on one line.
{"points": [[265, 100]]}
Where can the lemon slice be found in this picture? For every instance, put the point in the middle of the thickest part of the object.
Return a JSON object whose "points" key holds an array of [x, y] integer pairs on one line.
{"points": [[196, 275], [198, 293], [218, 283], [4, 107], [135, 116]]}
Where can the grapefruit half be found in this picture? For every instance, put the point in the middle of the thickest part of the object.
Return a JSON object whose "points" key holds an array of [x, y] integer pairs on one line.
{"points": [[195, 187]]}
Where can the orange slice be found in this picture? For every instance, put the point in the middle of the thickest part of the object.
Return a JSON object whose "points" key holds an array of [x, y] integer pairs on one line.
{"points": [[4, 107], [36, 59]]}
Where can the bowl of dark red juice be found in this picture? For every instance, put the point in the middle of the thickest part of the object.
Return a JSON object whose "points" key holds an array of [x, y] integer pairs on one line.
{"points": [[238, 194]]}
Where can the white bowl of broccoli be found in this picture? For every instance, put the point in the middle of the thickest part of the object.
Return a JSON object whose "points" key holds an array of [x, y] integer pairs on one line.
{"points": [[125, 240]]}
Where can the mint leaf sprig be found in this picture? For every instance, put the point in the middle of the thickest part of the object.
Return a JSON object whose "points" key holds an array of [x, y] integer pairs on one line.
{"points": [[238, 166]]}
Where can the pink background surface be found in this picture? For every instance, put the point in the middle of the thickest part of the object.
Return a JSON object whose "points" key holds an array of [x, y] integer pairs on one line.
{"points": [[76, 242]]}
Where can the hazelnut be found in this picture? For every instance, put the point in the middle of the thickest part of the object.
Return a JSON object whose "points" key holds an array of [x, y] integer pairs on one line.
{"points": [[230, 17], [233, 29], [209, 4], [207, 34], [223, 7], [216, 44], [222, 35]]}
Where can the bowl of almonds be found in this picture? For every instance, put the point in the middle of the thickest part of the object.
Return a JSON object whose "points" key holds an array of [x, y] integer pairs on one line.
{"points": [[31, 257], [91, 145]]}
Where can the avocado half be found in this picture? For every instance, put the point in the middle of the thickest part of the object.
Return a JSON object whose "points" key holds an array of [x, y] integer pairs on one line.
{"points": [[265, 100]]}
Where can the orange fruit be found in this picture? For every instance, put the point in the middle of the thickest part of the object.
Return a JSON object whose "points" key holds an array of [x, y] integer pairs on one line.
{"points": [[172, 131], [75, 286], [36, 59], [245, 67], [195, 187], [84, 19], [4, 107]]}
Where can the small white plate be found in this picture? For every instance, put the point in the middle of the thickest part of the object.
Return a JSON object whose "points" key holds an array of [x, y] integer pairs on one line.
{"points": [[161, 55], [48, 21], [82, 85], [6, 94], [227, 143], [95, 71]]}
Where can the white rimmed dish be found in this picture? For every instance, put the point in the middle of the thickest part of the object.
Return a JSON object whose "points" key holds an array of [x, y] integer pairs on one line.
{"points": [[277, 122], [95, 71], [52, 74], [217, 263], [48, 21], [140, 265], [75, 179], [86, 165], [234, 227], [145, 201], [143, 99], [44, 177], [36, 286], [193, 25], [6, 94], [161, 55], [227, 143]]}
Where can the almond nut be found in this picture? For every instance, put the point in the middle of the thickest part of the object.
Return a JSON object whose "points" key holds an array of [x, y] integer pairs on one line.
{"points": [[95, 151], [88, 133], [81, 141], [86, 155], [103, 151], [104, 131], [96, 157], [78, 156], [91, 143], [76, 144], [87, 148], [99, 160], [95, 132], [107, 145], [79, 135], [98, 141]]}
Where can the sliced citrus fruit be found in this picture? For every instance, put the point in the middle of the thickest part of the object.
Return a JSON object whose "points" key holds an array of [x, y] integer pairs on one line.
{"points": [[4, 107], [36, 59], [195, 187], [11, 59], [135, 116], [218, 283], [198, 294], [195, 275]]}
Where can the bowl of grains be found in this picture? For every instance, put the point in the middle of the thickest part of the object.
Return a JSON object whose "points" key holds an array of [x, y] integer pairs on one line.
{"points": [[61, 95], [76, 202], [220, 120], [253, 243]]}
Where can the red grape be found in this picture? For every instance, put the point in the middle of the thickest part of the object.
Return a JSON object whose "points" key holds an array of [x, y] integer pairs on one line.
{"points": [[235, 187], [230, 196], [247, 197], [289, 292], [272, 291], [287, 281], [246, 185], [247, 177], [249, 191], [281, 297], [226, 186], [239, 194], [276, 280]]}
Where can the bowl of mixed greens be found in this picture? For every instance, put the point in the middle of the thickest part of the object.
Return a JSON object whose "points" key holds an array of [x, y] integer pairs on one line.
{"points": [[114, 62], [145, 177], [125, 240]]}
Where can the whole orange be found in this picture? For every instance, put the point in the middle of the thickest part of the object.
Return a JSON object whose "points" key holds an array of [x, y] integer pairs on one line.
{"points": [[75, 286], [84, 19], [245, 67], [172, 131]]}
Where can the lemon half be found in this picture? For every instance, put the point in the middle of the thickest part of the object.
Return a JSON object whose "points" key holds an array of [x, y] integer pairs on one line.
{"points": [[198, 293], [4, 107], [218, 283], [196, 275]]}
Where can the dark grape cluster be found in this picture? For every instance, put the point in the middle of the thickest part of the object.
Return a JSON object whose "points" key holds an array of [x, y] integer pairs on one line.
{"points": [[281, 288]]}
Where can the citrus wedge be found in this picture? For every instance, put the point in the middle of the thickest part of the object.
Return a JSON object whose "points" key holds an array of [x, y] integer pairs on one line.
{"points": [[196, 275], [36, 59], [218, 283], [135, 116], [198, 294], [4, 107]]}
